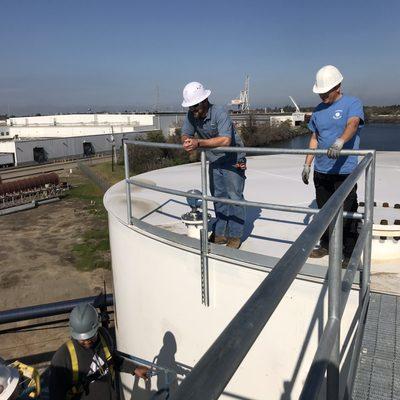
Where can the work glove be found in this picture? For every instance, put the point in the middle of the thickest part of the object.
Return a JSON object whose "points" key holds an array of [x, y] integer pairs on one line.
{"points": [[306, 173], [334, 150]]}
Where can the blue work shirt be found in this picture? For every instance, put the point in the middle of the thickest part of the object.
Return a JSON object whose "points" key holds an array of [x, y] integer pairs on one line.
{"points": [[217, 123], [328, 122]]}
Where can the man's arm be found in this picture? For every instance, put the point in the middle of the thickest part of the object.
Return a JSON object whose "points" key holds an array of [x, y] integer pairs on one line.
{"points": [[190, 144], [222, 140], [351, 129], [313, 144], [348, 133]]}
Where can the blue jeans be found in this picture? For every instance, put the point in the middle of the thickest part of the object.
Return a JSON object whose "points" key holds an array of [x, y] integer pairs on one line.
{"points": [[228, 181]]}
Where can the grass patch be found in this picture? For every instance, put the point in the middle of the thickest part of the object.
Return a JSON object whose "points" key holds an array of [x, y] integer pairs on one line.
{"points": [[105, 172], [93, 251]]}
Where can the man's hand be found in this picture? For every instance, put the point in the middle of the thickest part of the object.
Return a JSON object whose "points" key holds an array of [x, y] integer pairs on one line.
{"points": [[190, 144], [334, 150], [305, 175], [141, 372]]}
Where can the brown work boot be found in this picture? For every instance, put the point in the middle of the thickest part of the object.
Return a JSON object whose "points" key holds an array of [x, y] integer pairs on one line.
{"points": [[233, 242], [319, 252], [218, 239]]}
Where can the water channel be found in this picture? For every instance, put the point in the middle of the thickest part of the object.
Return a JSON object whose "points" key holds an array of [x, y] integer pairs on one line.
{"points": [[381, 137]]}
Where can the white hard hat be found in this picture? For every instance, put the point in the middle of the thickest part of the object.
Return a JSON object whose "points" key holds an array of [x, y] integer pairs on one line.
{"points": [[194, 93], [326, 79], [9, 378]]}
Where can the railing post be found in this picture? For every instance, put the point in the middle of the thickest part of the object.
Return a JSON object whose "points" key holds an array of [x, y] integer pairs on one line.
{"points": [[368, 218], [335, 268], [127, 184], [205, 296]]}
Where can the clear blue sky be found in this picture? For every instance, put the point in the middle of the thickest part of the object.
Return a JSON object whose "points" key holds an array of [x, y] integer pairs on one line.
{"points": [[71, 55]]}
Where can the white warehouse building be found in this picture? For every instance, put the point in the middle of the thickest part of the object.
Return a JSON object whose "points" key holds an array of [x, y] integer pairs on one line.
{"points": [[29, 140], [75, 125]]}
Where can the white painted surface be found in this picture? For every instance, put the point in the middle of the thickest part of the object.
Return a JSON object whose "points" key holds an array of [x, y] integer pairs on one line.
{"points": [[157, 285], [157, 292], [274, 179]]}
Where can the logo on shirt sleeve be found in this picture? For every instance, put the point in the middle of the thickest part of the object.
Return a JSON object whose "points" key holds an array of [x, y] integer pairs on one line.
{"points": [[338, 114]]}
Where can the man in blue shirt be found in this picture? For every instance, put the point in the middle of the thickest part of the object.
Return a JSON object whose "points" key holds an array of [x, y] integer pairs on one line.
{"points": [[214, 128], [335, 124]]}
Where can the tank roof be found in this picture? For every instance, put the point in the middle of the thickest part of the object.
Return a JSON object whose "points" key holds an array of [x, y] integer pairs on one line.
{"points": [[273, 179]]}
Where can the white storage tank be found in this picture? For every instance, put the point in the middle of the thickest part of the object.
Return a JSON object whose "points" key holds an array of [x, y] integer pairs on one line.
{"points": [[157, 282]]}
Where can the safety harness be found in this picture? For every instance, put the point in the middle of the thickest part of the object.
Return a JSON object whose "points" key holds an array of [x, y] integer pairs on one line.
{"points": [[78, 387]]}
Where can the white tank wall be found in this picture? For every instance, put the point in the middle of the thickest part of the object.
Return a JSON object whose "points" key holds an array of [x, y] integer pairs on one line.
{"points": [[157, 297]]}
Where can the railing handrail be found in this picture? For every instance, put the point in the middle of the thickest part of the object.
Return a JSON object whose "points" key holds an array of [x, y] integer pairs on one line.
{"points": [[267, 206], [248, 150]]}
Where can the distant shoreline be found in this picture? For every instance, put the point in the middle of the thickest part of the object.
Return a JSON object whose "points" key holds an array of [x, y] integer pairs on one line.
{"points": [[383, 119]]}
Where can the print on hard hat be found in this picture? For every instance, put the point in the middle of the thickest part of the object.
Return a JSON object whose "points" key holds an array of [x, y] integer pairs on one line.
{"points": [[338, 114]]}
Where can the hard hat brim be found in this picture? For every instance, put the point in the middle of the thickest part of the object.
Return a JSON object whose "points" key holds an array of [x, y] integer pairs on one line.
{"points": [[84, 335], [325, 89], [198, 100]]}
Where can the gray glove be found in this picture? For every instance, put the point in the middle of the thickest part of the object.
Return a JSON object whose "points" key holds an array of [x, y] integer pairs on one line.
{"points": [[334, 150], [306, 173]]}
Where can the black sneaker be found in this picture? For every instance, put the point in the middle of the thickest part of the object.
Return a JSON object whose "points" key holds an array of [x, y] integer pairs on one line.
{"points": [[319, 252]]}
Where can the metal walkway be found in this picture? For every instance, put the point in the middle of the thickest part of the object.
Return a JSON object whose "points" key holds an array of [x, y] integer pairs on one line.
{"points": [[378, 373]]}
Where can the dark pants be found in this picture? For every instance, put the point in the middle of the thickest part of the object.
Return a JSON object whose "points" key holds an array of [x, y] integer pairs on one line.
{"points": [[325, 186]]}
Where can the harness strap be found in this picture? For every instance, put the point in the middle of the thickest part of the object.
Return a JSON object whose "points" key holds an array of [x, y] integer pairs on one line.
{"points": [[75, 369], [108, 355]]}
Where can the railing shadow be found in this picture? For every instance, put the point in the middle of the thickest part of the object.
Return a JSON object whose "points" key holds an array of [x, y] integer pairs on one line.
{"points": [[252, 214], [167, 383], [317, 318], [307, 218]]}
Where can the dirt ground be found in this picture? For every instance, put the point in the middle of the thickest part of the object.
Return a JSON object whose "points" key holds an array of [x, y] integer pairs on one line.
{"points": [[37, 267]]}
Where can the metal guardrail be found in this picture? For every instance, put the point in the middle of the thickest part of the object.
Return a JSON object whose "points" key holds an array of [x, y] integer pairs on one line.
{"points": [[52, 309], [154, 368], [232, 345]]}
